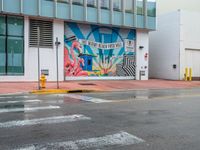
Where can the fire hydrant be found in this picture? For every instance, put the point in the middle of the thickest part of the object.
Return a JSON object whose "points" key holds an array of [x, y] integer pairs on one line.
{"points": [[43, 81]]}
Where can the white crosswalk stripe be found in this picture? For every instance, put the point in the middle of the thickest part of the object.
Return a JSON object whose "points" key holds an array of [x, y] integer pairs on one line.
{"points": [[48, 120], [86, 98], [19, 101], [28, 109], [122, 139], [14, 96]]}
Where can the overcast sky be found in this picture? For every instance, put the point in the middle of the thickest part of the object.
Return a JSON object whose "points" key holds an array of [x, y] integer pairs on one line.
{"points": [[164, 6]]}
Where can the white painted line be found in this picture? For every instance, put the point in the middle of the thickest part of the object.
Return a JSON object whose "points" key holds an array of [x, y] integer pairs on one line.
{"points": [[28, 109], [14, 96], [86, 98], [3, 97], [48, 120], [20, 101], [121, 139]]}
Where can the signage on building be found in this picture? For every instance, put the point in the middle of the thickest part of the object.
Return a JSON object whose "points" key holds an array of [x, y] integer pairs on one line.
{"points": [[129, 45], [101, 45]]}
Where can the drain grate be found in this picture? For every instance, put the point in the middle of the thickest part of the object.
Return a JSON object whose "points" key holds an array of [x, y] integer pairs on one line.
{"points": [[87, 84]]}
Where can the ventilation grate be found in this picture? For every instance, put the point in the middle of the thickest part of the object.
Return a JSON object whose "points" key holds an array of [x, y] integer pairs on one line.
{"points": [[46, 33]]}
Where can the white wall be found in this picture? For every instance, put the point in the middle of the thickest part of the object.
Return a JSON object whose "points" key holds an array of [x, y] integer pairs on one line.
{"points": [[166, 6], [47, 56], [190, 39], [165, 47], [142, 39]]}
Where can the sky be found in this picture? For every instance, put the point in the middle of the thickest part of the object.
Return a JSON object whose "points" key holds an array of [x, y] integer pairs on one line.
{"points": [[164, 6]]}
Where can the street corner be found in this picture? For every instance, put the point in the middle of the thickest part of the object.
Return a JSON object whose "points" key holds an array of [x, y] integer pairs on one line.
{"points": [[60, 91]]}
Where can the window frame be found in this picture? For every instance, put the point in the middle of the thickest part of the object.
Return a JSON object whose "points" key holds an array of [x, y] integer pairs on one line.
{"points": [[103, 7], [120, 6], [9, 68], [129, 10], [93, 6], [142, 8], [78, 3]]}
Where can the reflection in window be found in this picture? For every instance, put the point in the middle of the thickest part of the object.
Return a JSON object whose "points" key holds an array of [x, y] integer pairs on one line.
{"points": [[129, 6], [117, 5], [105, 4], [151, 8], [140, 7], [77, 2], [92, 3], [11, 45], [63, 1]]}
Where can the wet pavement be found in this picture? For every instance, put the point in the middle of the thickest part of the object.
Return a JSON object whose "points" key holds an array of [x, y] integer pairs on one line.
{"points": [[124, 120]]}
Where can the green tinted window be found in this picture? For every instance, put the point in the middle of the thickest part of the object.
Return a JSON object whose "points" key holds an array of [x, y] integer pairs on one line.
{"points": [[151, 8], [15, 55], [11, 45], [77, 2], [2, 25], [2, 55], [15, 26], [140, 7], [117, 5], [129, 6]]}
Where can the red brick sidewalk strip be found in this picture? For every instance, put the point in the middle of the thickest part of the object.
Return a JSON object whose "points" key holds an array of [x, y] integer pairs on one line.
{"points": [[16, 87]]}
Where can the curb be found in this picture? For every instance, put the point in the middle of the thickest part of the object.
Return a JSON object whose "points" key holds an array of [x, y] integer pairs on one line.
{"points": [[60, 91]]}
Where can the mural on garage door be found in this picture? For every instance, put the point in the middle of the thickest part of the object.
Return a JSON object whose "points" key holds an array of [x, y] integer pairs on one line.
{"points": [[92, 50]]}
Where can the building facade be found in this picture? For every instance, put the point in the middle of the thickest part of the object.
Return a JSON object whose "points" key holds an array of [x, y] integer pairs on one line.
{"points": [[176, 46], [99, 39]]}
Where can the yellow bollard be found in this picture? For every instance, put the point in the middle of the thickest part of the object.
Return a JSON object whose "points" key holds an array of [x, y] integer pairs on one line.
{"points": [[190, 74], [186, 74], [43, 81]]}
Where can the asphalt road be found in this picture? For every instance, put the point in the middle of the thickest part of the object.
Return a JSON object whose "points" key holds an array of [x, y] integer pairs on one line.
{"points": [[124, 120]]}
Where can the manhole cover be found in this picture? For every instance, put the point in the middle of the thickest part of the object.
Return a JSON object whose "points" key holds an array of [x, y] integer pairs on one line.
{"points": [[87, 84]]}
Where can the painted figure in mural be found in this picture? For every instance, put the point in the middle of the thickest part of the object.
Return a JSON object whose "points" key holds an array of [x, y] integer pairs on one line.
{"points": [[73, 68]]}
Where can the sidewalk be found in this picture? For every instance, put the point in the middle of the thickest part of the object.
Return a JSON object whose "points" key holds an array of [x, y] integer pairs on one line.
{"points": [[15, 87]]}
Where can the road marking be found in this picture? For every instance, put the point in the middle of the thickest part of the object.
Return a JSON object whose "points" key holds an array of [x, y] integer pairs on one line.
{"points": [[21, 101], [122, 139], [14, 96], [28, 109], [86, 98], [48, 120], [6, 97]]}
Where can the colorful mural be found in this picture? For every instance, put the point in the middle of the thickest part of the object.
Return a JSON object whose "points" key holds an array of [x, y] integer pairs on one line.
{"points": [[92, 50]]}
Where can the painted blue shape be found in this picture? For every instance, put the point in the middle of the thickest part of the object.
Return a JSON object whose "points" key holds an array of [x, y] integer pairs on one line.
{"points": [[30, 10], [131, 35], [88, 62], [12, 6], [78, 33]]}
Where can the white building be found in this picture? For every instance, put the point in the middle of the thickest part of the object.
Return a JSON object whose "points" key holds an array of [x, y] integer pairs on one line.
{"points": [[99, 39], [175, 45]]}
